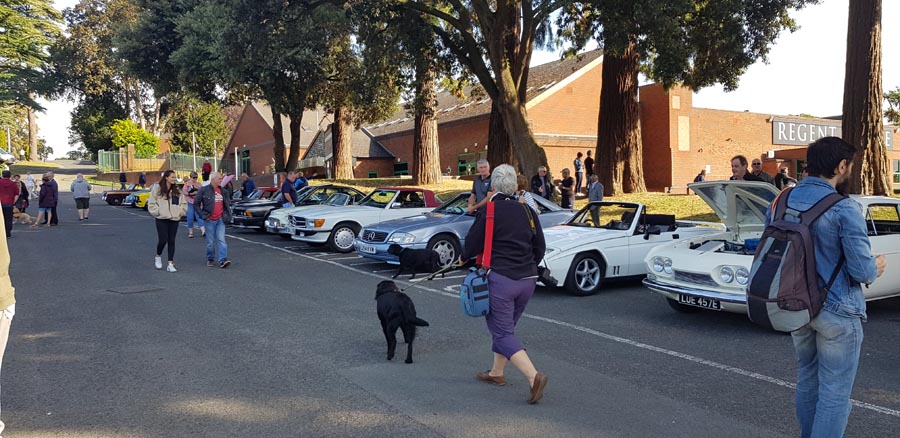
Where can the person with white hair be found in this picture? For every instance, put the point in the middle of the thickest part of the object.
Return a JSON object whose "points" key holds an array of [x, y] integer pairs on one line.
{"points": [[213, 206], [517, 248], [81, 192]]}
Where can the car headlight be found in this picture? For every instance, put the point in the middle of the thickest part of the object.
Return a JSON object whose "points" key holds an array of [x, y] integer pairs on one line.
{"points": [[662, 264], [317, 223], [658, 264], [726, 274], [402, 238], [273, 222], [742, 275]]}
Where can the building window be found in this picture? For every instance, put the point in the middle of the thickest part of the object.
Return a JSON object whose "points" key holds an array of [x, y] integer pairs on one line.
{"points": [[896, 171]]}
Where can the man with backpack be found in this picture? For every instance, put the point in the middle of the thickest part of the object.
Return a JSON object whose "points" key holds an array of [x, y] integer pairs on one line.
{"points": [[828, 347]]}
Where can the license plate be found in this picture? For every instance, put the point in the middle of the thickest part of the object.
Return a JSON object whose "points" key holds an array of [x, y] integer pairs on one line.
{"points": [[368, 249], [705, 303]]}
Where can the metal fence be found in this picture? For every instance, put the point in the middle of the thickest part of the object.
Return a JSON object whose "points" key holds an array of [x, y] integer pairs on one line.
{"points": [[113, 161]]}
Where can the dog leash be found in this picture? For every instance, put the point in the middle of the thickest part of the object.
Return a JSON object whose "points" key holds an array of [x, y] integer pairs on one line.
{"points": [[443, 270]]}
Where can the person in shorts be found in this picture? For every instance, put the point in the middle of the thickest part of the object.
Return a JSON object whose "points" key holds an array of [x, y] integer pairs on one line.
{"points": [[81, 191]]}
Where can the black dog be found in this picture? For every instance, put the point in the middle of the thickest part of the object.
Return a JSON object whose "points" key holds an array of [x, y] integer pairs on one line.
{"points": [[396, 310], [416, 260]]}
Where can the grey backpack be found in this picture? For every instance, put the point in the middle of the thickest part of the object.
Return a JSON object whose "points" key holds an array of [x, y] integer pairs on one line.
{"points": [[784, 293]]}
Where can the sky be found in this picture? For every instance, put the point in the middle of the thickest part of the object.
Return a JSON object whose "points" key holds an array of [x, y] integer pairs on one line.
{"points": [[804, 73]]}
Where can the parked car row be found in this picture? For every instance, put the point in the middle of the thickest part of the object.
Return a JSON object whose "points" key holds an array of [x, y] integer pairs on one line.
{"points": [[693, 265]]}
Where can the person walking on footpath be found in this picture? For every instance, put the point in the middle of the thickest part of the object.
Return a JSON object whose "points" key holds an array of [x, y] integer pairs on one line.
{"points": [[7, 302], [123, 179], [189, 190], [31, 186], [595, 194], [46, 200], [81, 191], [55, 187], [9, 192], [142, 180], [828, 347], [214, 209], [517, 248], [167, 206]]}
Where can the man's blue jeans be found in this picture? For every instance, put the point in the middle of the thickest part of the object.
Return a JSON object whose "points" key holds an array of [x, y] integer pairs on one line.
{"points": [[827, 358], [215, 235], [193, 215]]}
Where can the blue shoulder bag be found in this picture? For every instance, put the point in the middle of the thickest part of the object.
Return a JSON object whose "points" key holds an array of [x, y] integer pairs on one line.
{"points": [[473, 293]]}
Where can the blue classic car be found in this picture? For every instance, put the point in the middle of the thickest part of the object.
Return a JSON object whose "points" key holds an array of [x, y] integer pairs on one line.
{"points": [[443, 230]]}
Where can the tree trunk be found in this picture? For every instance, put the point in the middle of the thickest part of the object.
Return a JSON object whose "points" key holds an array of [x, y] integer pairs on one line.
{"points": [[342, 144], [500, 150], [278, 136], [862, 124], [32, 132], [157, 130], [426, 152], [294, 151], [619, 150], [515, 119]]}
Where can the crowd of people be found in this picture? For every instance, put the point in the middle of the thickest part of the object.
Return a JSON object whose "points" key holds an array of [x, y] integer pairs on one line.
{"points": [[744, 170]]}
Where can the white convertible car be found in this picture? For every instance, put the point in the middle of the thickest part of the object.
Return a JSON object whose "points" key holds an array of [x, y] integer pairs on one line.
{"points": [[338, 226], [610, 239], [712, 271]]}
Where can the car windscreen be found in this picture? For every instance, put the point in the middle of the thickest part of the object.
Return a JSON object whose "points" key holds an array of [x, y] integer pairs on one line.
{"points": [[304, 193], [611, 216], [378, 198], [457, 205]]}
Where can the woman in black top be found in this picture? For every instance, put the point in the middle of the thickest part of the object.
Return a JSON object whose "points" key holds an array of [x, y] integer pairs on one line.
{"points": [[567, 190], [517, 248]]}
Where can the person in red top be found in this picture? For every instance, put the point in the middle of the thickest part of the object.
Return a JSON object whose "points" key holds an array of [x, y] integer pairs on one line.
{"points": [[9, 192], [212, 205], [206, 169]]}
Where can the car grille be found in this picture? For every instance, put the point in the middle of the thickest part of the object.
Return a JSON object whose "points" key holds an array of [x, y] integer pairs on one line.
{"points": [[299, 222], [695, 278], [373, 236]]}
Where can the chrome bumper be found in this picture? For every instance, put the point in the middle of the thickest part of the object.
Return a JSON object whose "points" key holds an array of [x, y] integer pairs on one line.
{"points": [[666, 289]]}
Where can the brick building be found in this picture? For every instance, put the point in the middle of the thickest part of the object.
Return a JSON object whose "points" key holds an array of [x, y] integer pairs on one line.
{"points": [[562, 100]]}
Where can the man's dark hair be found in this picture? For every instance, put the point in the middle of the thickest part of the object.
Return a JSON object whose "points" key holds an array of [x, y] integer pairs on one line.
{"points": [[7, 174], [740, 158], [825, 154]]}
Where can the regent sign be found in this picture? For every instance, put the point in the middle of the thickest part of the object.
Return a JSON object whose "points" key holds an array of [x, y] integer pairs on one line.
{"points": [[802, 133]]}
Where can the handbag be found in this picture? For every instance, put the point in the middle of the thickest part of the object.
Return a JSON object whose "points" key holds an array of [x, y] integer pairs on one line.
{"points": [[474, 296]]}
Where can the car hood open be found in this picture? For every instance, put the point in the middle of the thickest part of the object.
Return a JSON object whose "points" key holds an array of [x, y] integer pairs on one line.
{"points": [[739, 204]]}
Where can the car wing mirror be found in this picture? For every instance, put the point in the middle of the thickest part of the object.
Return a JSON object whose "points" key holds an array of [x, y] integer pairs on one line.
{"points": [[397, 205]]}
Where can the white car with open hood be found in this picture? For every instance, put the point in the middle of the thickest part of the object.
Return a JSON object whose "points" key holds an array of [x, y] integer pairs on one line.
{"points": [[712, 271], [610, 239]]}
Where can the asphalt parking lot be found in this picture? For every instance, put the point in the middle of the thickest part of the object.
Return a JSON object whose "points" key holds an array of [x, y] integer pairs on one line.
{"points": [[286, 343]]}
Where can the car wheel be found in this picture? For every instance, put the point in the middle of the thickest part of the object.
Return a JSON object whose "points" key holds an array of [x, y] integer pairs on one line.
{"points": [[447, 248], [683, 308], [342, 237], [585, 274], [115, 201]]}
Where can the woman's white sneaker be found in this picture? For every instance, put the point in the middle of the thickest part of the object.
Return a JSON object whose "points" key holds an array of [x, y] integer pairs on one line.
{"points": [[157, 261], [171, 268]]}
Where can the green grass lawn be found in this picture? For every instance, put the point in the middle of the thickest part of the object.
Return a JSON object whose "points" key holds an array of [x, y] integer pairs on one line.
{"points": [[686, 207]]}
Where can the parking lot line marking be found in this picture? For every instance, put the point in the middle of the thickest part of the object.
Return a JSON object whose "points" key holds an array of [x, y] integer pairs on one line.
{"points": [[597, 333], [385, 270], [346, 258], [366, 263]]}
